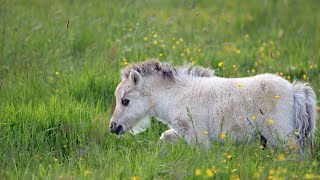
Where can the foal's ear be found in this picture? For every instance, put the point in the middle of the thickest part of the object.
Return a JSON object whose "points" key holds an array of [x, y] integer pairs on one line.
{"points": [[135, 77]]}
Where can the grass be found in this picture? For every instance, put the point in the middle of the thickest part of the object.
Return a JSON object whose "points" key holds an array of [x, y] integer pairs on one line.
{"points": [[57, 83]]}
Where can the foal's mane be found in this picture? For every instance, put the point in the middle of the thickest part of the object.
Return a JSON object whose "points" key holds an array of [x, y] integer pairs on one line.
{"points": [[153, 66]]}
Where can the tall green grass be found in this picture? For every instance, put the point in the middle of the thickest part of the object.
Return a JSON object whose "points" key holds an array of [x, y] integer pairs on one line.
{"points": [[57, 83]]}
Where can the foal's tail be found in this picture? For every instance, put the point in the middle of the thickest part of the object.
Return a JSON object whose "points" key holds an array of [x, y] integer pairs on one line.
{"points": [[305, 105]]}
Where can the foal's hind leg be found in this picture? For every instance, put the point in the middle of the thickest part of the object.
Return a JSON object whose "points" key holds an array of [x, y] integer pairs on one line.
{"points": [[283, 139], [263, 142], [169, 136]]}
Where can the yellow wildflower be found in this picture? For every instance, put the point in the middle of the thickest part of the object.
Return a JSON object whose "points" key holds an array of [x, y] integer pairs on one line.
{"points": [[234, 66], [223, 135], [281, 157], [240, 85], [160, 54], [124, 62], [254, 117], [246, 36], [209, 172], [155, 42], [181, 39], [182, 54], [57, 73], [145, 38], [234, 177], [277, 97], [173, 47], [197, 172], [188, 50], [271, 121], [240, 117], [229, 156], [220, 64], [206, 132], [134, 177], [304, 76], [296, 133], [309, 176], [155, 35], [271, 171], [87, 171], [238, 51], [261, 49], [162, 45]]}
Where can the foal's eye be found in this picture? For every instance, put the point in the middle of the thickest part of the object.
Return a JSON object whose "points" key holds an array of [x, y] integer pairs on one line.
{"points": [[125, 101]]}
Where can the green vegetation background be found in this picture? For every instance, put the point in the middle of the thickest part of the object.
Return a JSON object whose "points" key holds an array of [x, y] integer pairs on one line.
{"points": [[57, 83]]}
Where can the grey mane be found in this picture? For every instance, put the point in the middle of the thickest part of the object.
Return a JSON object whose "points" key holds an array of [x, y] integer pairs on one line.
{"points": [[196, 71], [153, 66]]}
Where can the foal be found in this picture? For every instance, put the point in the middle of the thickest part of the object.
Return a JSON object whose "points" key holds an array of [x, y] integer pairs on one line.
{"points": [[200, 107]]}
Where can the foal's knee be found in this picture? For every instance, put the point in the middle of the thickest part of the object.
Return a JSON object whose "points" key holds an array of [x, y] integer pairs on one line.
{"points": [[169, 136]]}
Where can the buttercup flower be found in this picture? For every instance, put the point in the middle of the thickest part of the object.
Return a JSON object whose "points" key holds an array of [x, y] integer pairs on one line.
{"points": [[197, 172], [223, 135], [209, 172], [239, 85], [271, 121]]}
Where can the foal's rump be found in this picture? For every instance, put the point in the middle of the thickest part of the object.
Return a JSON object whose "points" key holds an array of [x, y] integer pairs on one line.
{"points": [[262, 105]]}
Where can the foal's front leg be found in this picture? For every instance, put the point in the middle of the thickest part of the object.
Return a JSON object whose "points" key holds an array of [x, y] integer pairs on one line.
{"points": [[169, 136]]}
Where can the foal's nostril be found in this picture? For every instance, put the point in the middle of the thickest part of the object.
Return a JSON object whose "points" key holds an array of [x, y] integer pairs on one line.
{"points": [[119, 130], [116, 129], [113, 125]]}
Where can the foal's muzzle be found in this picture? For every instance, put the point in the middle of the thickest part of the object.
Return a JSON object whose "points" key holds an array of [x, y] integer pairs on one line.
{"points": [[116, 129]]}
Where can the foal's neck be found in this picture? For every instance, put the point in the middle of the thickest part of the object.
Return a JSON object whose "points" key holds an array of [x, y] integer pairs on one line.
{"points": [[165, 98]]}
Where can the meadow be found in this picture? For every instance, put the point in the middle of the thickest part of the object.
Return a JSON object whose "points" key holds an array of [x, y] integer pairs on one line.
{"points": [[57, 83]]}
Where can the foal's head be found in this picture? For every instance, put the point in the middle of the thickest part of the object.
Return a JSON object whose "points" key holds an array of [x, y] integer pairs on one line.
{"points": [[132, 103]]}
